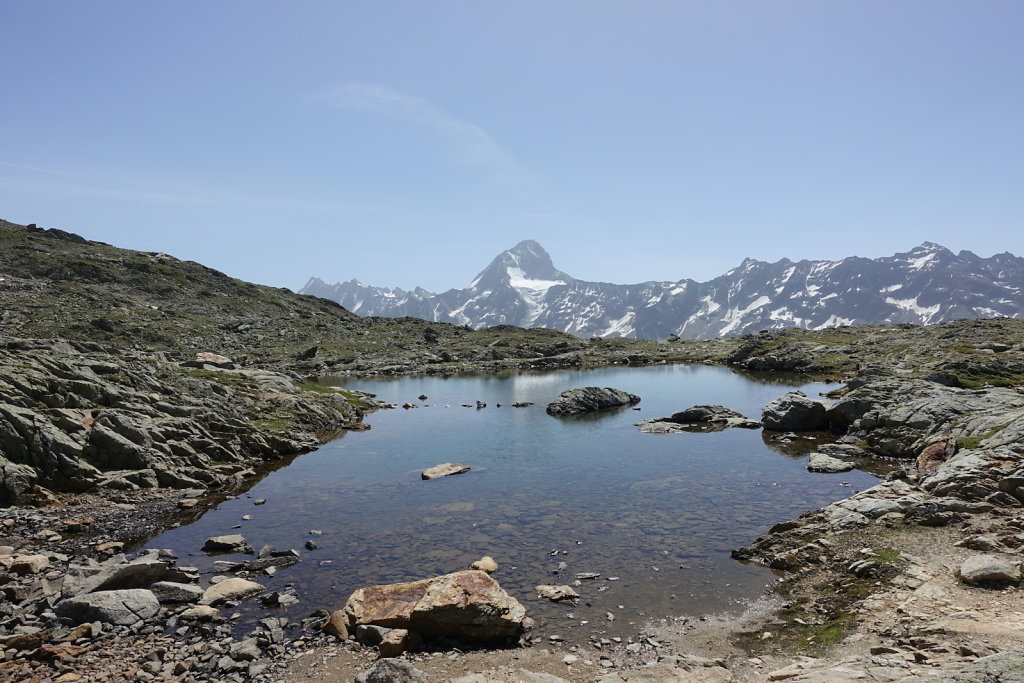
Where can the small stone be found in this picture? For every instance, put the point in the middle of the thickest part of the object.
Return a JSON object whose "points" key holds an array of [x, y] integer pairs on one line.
{"points": [[556, 593], [485, 564], [230, 543]]}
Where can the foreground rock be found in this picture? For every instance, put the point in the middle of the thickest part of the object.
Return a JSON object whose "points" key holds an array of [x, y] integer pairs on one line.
{"points": [[702, 418], [467, 605], [590, 399], [445, 469]]}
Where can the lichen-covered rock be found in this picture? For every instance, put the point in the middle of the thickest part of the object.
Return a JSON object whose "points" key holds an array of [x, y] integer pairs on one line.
{"points": [[468, 605], [589, 399]]}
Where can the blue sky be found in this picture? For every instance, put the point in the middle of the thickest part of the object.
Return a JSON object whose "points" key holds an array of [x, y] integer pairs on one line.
{"points": [[407, 142]]}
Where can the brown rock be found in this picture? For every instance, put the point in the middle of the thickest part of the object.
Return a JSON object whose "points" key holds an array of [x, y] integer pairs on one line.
{"points": [[28, 641], [394, 643], [65, 652], [29, 564], [337, 625], [938, 450], [467, 604]]}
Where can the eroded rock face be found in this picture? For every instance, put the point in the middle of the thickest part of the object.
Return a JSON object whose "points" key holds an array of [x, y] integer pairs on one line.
{"points": [[76, 416], [795, 412], [467, 605], [588, 399]]}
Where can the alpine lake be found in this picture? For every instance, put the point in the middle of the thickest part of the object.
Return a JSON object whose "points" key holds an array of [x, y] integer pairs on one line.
{"points": [[655, 516]]}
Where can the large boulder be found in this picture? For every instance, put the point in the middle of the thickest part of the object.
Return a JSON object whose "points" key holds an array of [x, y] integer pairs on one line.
{"points": [[990, 570], [122, 608], [794, 412], [468, 605], [589, 399]]}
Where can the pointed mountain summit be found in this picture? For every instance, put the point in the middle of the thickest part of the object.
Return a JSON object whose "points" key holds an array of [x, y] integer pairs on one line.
{"points": [[521, 286], [525, 265]]}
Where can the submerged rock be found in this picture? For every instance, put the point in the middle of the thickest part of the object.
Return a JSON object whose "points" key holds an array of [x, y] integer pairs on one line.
{"points": [[819, 462], [556, 593], [468, 605], [589, 399]]}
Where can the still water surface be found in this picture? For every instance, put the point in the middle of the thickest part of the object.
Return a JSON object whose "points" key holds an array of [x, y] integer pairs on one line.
{"points": [[659, 512]]}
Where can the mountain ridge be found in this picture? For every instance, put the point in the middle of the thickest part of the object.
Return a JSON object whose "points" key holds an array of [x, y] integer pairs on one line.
{"points": [[521, 286]]}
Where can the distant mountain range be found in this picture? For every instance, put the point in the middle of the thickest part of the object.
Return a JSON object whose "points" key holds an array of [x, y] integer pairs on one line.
{"points": [[521, 286]]}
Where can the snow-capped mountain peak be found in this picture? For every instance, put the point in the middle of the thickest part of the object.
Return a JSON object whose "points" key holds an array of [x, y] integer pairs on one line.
{"points": [[521, 286]]}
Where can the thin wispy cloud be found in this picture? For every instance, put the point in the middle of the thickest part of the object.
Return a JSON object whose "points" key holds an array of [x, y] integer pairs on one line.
{"points": [[470, 143], [22, 179]]}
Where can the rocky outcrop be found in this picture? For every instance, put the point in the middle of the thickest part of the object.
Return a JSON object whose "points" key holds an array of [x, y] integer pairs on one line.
{"points": [[590, 399], [702, 418], [794, 412], [908, 418], [76, 417], [467, 605], [901, 418]]}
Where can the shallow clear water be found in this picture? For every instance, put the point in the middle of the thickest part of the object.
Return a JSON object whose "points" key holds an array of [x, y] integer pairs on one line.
{"points": [[659, 512]]}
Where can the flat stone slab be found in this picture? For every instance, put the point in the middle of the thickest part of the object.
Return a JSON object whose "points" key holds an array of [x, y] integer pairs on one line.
{"points": [[819, 462], [445, 469]]}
